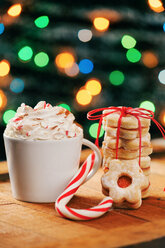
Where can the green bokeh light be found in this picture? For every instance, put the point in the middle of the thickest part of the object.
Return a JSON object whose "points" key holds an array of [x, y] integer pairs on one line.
{"points": [[42, 21], [148, 105], [66, 106], [8, 114], [128, 41], [25, 53], [116, 78], [41, 59], [93, 130], [133, 55]]}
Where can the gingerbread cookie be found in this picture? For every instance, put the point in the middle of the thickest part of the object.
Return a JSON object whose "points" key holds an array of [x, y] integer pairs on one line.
{"points": [[124, 182], [127, 122]]}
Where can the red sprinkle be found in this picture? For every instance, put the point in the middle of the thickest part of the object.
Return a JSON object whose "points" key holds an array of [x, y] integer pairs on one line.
{"points": [[75, 135], [44, 105], [48, 104], [46, 127], [27, 134], [67, 133], [19, 127], [17, 119]]}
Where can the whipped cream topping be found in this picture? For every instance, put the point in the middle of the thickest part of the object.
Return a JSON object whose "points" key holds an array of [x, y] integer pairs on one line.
{"points": [[43, 122]]}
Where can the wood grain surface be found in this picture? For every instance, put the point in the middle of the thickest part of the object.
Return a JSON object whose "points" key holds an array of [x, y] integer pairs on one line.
{"points": [[38, 225]]}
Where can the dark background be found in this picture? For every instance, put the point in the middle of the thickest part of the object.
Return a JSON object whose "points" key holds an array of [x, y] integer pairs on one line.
{"points": [[66, 18]]}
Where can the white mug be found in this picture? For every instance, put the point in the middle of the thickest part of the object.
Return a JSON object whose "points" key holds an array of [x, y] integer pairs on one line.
{"points": [[39, 170]]}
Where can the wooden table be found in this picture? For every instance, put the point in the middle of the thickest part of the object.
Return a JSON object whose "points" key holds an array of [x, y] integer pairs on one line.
{"points": [[38, 225]]}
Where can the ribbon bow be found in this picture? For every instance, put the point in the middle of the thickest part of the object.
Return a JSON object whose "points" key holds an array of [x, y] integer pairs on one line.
{"points": [[136, 112]]}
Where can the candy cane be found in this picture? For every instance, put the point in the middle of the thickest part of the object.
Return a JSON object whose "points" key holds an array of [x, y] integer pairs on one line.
{"points": [[70, 190]]}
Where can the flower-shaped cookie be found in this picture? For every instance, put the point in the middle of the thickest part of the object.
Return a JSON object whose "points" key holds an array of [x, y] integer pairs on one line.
{"points": [[125, 181]]}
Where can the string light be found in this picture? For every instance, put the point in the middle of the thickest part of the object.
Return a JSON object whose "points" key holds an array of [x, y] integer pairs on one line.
{"points": [[93, 86], [2, 28], [83, 97], [4, 68], [156, 5], [41, 59], [42, 21], [15, 10], [116, 78], [85, 35], [149, 59], [164, 27], [133, 55], [161, 77], [128, 41], [64, 60], [86, 66], [72, 71], [25, 53], [8, 114], [64, 105], [147, 105], [17, 85], [3, 100], [93, 130], [101, 23]]}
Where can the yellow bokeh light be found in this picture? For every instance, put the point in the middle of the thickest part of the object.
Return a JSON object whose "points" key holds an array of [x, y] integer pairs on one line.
{"points": [[156, 5], [3, 100], [162, 117], [149, 59], [83, 97], [93, 86], [101, 23], [64, 60], [4, 68], [15, 10]]}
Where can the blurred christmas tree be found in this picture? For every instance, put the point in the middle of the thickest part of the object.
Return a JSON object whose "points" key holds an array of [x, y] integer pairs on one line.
{"points": [[83, 55]]}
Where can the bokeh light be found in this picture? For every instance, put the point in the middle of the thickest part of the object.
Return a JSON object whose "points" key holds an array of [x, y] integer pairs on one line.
{"points": [[64, 105], [72, 71], [41, 59], [128, 41], [133, 55], [116, 78], [42, 21], [149, 59], [93, 86], [25, 53], [85, 35], [83, 97], [64, 60], [101, 23], [8, 114], [15, 10], [17, 85], [2, 28], [161, 77], [156, 5], [147, 105], [93, 130], [3, 100], [86, 66], [4, 67], [162, 117], [164, 27]]}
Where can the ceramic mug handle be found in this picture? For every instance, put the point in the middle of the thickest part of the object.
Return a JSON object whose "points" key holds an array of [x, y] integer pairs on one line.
{"points": [[98, 158]]}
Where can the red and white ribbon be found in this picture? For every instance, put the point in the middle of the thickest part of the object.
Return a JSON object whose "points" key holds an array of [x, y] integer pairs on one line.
{"points": [[70, 190]]}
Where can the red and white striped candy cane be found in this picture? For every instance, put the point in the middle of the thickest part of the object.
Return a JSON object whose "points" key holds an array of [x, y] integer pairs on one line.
{"points": [[70, 190]]}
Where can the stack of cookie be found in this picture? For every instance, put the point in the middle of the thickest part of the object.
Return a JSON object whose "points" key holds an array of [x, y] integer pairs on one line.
{"points": [[128, 152]]}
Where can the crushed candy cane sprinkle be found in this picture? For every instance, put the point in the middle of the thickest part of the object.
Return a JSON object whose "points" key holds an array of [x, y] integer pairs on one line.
{"points": [[43, 122]]}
